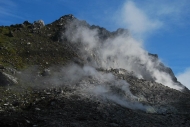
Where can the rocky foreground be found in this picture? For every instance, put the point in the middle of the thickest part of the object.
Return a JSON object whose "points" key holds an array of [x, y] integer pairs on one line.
{"points": [[22, 105], [33, 98]]}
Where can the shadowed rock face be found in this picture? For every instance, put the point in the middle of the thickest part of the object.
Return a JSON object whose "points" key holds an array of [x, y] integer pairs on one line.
{"points": [[7, 79], [162, 67], [165, 69], [69, 87], [4, 80]]}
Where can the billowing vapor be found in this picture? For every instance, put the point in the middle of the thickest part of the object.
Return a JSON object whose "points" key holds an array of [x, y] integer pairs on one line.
{"points": [[118, 51], [87, 82]]}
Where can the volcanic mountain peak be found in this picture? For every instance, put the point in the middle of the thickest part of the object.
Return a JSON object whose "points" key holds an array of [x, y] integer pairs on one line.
{"points": [[74, 74]]}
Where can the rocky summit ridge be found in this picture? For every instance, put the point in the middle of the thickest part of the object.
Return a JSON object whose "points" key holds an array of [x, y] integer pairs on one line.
{"points": [[72, 74]]}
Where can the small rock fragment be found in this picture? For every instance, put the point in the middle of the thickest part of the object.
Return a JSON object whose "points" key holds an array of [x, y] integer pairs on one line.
{"points": [[37, 109]]}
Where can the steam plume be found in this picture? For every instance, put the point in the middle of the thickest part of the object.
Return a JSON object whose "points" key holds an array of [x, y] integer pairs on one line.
{"points": [[121, 51]]}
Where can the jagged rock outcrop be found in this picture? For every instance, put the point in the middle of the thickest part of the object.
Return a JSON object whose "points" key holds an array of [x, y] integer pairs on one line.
{"points": [[39, 24]]}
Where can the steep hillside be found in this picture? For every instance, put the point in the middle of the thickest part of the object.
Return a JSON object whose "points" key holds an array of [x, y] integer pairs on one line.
{"points": [[69, 73], [32, 44]]}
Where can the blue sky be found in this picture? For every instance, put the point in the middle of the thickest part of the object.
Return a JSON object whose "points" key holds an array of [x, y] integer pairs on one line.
{"points": [[162, 26]]}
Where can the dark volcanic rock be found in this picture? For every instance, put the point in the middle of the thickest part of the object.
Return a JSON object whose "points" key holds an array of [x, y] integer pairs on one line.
{"points": [[26, 23], [62, 110], [6, 79]]}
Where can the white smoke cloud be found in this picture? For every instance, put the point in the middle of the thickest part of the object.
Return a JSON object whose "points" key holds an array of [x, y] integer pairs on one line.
{"points": [[146, 17], [85, 81], [184, 78], [121, 51], [137, 20]]}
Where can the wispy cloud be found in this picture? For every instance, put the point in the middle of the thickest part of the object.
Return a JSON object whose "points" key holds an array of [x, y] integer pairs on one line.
{"points": [[168, 12], [184, 78], [145, 17], [137, 20], [6, 12], [7, 3], [8, 8]]}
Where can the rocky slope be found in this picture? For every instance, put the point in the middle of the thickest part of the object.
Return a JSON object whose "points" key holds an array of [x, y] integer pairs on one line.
{"points": [[62, 74]]}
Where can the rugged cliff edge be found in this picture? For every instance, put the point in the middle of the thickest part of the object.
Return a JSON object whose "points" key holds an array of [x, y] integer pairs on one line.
{"points": [[69, 73]]}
